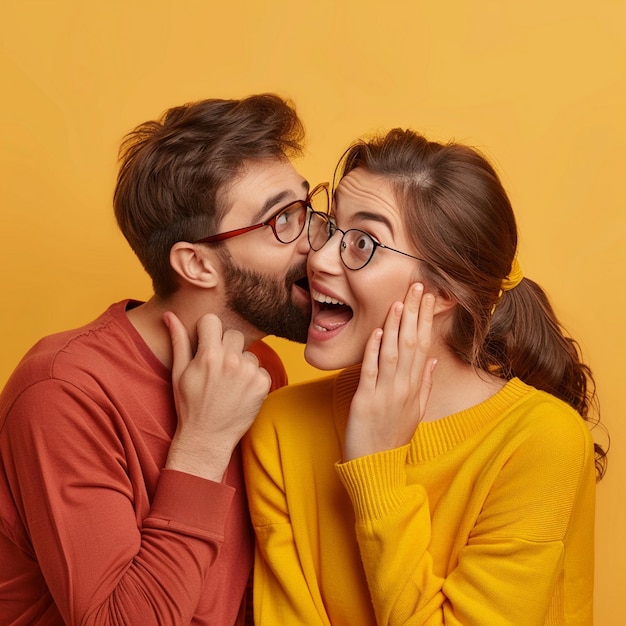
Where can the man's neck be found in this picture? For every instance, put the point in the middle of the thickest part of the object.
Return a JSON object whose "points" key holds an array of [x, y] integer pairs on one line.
{"points": [[147, 319]]}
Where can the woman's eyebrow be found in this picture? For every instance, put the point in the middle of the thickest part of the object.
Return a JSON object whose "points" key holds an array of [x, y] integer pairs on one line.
{"points": [[368, 216]]}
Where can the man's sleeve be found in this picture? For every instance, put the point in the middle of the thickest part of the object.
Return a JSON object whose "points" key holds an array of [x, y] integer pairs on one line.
{"points": [[76, 502]]}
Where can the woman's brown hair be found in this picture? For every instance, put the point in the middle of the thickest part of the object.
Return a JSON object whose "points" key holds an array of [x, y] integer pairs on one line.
{"points": [[460, 220]]}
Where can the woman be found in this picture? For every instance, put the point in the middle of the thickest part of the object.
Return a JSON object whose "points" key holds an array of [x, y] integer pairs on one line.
{"points": [[372, 506]]}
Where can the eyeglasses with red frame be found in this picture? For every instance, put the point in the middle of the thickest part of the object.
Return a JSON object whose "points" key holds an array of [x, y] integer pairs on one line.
{"points": [[288, 223]]}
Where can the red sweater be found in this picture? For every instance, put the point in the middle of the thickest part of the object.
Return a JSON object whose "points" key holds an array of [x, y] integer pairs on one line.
{"points": [[92, 529]]}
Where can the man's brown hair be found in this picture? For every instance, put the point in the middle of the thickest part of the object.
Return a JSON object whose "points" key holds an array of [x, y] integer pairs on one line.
{"points": [[176, 170]]}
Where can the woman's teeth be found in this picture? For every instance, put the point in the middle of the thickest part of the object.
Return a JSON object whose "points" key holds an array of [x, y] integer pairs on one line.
{"points": [[324, 299]]}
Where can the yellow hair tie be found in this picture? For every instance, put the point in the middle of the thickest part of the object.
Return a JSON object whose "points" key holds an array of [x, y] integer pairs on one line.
{"points": [[510, 282], [514, 278]]}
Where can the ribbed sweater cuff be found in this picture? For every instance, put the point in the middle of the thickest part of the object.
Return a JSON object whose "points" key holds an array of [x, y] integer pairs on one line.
{"points": [[376, 483]]}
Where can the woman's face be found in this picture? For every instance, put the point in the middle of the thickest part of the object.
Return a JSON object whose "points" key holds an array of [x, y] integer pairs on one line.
{"points": [[349, 304]]}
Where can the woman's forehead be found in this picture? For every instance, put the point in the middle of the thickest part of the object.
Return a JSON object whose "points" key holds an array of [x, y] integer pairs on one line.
{"points": [[364, 195]]}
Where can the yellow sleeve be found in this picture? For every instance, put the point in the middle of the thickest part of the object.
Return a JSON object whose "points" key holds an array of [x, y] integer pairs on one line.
{"points": [[510, 567], [393, 532]]}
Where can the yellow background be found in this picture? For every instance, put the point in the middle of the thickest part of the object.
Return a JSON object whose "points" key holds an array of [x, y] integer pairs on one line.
{"points": [[538, 85]]}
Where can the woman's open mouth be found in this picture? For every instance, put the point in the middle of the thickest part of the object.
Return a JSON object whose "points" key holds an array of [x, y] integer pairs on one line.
{"points": [[329, 313]]}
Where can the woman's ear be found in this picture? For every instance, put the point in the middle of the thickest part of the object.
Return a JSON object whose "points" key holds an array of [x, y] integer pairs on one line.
{"points": [[194, 263], [443, 303]]}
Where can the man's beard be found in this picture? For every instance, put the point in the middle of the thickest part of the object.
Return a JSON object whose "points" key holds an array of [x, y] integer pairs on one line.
{"points": [[266, 303]]}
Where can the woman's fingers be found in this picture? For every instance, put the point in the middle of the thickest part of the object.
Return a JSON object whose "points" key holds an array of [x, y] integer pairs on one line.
{"points": [[408, 338], [425, 386], [369, 366], [423, 329], [389, 346]]}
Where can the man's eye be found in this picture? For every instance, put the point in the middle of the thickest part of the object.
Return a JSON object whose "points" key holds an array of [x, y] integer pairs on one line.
{"points": [[290, 214], [282, 219]]}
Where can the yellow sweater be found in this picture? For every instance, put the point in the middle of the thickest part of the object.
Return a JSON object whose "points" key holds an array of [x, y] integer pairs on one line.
{"points": [[486, 517]]}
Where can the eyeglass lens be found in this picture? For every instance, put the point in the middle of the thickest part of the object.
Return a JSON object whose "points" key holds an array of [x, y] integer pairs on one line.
{"points": [[356, 247], [289, 223]]}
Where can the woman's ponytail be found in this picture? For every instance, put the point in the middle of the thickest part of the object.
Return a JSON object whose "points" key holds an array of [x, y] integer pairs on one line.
{"points": [[525, 339]]}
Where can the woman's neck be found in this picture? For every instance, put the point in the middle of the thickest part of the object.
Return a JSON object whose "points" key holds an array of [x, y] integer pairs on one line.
{"points": [[458, 386]]}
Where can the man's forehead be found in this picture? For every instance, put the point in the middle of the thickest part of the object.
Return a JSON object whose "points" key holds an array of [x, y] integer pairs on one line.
{"points": [[262, 187]]}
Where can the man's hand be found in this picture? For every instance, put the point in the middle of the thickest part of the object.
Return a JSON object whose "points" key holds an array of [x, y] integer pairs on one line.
{"points": [[218, 393], [396, 378]]}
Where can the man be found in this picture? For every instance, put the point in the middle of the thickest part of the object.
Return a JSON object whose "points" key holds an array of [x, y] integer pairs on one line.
{"points": [[113, 510]]}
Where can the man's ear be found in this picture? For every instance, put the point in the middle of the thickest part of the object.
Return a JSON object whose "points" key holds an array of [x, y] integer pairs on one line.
{"points": [[194, 263]]}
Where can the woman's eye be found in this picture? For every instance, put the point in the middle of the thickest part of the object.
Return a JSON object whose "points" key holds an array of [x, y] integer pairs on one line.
{"points": [[362, 243]]}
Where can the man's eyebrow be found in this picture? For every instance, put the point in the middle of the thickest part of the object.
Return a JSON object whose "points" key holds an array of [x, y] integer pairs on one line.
{"points": [[279, 198]]}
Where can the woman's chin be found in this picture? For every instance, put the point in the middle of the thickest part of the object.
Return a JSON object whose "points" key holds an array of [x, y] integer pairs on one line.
{"points": [[324, 358]]}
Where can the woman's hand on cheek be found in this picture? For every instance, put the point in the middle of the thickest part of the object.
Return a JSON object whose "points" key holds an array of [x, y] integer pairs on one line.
{"points": [[396, 378]]}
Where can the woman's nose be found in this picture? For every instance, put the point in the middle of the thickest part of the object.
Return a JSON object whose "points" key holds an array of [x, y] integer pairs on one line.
{"points": [[327, 258]]}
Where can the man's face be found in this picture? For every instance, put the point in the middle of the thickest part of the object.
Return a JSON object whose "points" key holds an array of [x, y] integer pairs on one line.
{"points": [[265, 280]]}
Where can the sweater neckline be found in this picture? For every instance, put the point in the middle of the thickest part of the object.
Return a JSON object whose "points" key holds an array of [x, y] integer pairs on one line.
{"points": [[118, 313], [435, 438]]}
